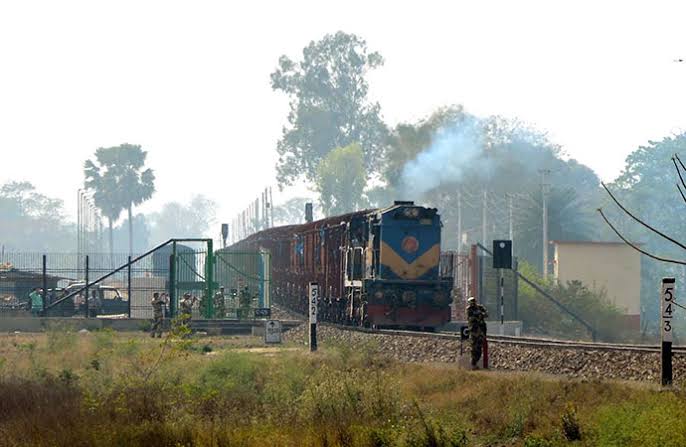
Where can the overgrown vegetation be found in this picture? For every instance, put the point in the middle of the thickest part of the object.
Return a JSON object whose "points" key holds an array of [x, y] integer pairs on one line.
{"points": [[540, 315], [107, 389]]}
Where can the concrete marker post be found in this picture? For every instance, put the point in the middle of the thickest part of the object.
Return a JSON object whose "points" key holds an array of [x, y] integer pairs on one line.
{"points": [[502, 301], [313, 300], [666, 315]]}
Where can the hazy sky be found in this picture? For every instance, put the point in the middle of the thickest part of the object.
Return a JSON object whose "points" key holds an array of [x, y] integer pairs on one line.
{"points": [[189, 81]]}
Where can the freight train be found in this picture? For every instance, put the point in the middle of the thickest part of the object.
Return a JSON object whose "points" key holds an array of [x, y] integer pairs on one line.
{"points": [[376, 268]]}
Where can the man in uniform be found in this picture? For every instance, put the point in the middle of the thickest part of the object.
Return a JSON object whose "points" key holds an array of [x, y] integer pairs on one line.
{"points": [[186, 308], [476, 319], [244, 301], [158, 303], [220, 303]]}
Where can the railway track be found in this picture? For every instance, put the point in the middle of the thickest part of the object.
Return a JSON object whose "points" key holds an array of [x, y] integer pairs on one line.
{"points": [[513, 340], [522, 341], [571, 359]]}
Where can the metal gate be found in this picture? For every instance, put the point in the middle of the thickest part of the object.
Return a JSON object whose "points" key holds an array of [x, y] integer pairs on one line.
{"points": [[245, 277]]}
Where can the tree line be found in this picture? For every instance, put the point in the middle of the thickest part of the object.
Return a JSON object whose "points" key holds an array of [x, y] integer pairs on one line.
{"points": [[480, 169]]}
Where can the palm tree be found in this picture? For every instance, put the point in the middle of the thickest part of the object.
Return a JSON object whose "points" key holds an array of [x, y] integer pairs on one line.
{"points": [[119, 182]]}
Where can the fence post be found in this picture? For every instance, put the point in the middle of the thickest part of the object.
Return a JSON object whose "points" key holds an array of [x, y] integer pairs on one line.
{"points": [[209, 278], [45, 282], [128, 285], [172, 291], [87, 291]]}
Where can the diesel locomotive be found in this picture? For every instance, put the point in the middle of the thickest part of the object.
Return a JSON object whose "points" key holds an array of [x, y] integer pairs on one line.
{"points": [[375, 268]]}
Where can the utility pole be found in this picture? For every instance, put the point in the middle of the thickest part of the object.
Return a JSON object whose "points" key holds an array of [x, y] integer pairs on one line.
{"points": [[483, 219], [544, 196], [271, 208], [459, 222], [511, 232]]}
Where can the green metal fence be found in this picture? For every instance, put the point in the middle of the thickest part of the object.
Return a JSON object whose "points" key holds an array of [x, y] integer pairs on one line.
{"points": [[245, 277]]}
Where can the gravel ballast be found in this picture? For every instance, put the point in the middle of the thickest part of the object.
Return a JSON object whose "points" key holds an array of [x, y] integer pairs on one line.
{"points": [[571, 362]]}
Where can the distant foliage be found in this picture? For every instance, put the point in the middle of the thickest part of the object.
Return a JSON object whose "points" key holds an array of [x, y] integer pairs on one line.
{"points": [[32, 221], [341, 178], [179, 220], [329, 107], [647, 187], [292, 211], [453, 152]]}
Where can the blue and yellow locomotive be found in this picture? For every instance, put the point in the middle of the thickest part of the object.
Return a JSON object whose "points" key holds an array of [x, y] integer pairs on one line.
{"points": [[374, 267], [400, 283]]}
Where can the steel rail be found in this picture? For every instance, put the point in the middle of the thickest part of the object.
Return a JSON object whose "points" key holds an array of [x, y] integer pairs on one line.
{"points": [[522, 341]]}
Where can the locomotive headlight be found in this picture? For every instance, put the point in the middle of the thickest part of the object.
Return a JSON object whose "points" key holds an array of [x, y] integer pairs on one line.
{"points": [[411, 212], [409, 296], [378, 294]]}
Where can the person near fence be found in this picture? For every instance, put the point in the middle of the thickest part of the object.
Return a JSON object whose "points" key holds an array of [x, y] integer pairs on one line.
{"points": [[186, 307], [220, 303], [158, 303], [476, 320], [94, 304], [36, 299], [245, 301]]}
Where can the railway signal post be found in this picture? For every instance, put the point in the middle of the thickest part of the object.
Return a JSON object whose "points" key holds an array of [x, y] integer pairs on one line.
{"points": [[313, 298], [666, 315], [502, 259]]}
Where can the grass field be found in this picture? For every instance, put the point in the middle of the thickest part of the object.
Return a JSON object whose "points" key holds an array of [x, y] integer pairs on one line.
{"points": [[106, 389]]}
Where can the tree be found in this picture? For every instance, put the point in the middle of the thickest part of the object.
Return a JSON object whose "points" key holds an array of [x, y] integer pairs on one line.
{"points": [[176, 220], [647, 187], [453, 160], [33, 221], [292, 211], [341, 180], [329, 107], [119, 181], [407, 140]]}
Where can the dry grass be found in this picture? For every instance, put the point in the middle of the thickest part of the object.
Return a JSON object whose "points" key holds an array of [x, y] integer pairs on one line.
{"points": [[107, 389]]}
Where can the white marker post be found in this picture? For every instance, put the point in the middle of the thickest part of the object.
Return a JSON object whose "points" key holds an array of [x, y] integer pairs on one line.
{"points": [[666, 315], [313, 297]]}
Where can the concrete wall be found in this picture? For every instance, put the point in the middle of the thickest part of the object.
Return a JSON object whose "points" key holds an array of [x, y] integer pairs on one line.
{"points": [[614, 268]]}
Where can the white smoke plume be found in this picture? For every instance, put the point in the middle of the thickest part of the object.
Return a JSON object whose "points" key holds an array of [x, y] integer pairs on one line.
{"points": [[452, 152]]}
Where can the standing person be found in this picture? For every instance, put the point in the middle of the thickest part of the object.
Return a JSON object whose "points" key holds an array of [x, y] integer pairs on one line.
{"points": [[36, 300], [94, 304], [476, 320], [186, 308], [244, 301], [158, 303], [220, 303]]}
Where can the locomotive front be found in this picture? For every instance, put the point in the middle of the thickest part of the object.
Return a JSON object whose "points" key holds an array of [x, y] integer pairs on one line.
{"points": [[405, 289]]}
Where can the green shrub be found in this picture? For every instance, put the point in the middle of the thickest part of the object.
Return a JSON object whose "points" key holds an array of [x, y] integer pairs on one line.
{"points": [[570, 423], [658, 420]]}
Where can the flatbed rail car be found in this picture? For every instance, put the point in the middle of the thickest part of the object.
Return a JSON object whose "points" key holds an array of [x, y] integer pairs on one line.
{"points": [[375, 267]]}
